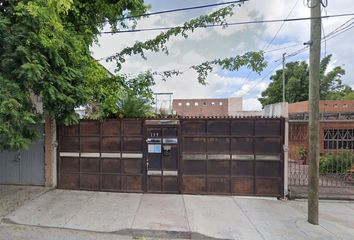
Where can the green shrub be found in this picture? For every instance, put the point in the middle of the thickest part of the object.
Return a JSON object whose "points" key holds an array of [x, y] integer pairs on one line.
{"points": [[336, 162], [302, 153]]}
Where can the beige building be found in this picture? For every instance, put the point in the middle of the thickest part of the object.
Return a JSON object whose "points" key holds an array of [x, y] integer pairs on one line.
{"points": [[207, 107]]}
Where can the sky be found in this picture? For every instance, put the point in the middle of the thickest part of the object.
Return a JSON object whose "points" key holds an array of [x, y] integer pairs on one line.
{"points": [[212, 43]]}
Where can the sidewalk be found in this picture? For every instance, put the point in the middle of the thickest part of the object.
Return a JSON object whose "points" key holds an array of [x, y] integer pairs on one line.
{"points": [[185, 216], [12, 197]]}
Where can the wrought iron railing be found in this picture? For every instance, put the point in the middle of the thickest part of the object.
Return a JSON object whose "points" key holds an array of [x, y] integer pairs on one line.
{"points": [[336, 172]]}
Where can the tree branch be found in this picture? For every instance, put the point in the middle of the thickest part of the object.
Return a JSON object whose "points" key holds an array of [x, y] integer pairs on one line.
{"points": [[159, 42]]}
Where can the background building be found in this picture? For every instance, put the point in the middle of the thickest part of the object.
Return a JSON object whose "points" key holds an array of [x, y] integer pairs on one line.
{"points": [[208, 107], [336, 127], [325, 106]]}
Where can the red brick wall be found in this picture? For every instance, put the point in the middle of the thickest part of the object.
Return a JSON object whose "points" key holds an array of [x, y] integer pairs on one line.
{"points": [[325, 106], [298, 135], [298, 107]]}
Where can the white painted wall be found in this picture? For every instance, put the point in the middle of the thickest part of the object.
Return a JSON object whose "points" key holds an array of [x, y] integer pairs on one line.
{"points": [[234, 105]]}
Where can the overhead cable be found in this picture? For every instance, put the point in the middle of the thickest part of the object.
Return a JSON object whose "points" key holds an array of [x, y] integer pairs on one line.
{"points": [[230, 24]]}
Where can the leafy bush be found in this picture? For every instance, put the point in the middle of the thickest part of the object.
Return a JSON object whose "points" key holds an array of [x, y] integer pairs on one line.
{"points": [[302, 153], [134, 107], [336, 162]]}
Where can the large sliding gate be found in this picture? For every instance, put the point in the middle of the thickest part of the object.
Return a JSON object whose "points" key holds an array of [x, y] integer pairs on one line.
{"points": [[238, 156], [105, 156], [242, 156]]}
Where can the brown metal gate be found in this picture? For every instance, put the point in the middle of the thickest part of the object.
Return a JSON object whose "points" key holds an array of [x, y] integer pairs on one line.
{"points": [[105, 156], [237, 156]]}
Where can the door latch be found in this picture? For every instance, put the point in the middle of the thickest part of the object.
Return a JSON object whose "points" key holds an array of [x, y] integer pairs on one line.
{"points": [[147, 164], [17, 158]]}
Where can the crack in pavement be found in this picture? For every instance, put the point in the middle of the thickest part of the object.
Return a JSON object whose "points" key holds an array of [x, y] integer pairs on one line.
{"points": [[249, 219]]}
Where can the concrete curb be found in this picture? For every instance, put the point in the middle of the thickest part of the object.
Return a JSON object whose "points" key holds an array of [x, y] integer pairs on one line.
{"points": [[341, 197], [135, 233], [165, 234]]}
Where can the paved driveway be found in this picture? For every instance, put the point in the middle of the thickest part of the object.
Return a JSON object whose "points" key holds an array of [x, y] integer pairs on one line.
{"points": [[185, 216]]}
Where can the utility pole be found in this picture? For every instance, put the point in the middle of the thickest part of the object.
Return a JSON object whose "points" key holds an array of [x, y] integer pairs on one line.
{"points": [[284, 77], [314, 97]]}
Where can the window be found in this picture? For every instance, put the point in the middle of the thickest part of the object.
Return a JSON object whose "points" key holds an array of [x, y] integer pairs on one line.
{"points": [[220, 103], [345, 105], [335, 105], [204, 103], [196, 104], [212, 103], [179, 104], [325, 105], [187, 104], [338, 139]]}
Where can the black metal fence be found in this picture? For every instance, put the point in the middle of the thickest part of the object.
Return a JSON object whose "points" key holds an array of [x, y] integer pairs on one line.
{"points": [[336, 165]]}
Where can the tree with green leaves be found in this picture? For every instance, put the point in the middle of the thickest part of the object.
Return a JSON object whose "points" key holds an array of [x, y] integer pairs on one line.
{"points": [[45, 50], [297, 83]]}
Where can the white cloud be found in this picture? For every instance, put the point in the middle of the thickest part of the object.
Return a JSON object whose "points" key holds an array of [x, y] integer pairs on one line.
{"points": [[206, 44], [192, 57]]}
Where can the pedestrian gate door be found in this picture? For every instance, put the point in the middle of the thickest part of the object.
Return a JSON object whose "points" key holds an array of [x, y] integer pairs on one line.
{"points": [[161, 159]]}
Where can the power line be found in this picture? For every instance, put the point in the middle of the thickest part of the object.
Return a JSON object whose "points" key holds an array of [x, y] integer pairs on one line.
{"points": [[173, 10], [341, 32], [338, 31], [229, 24], [282, 25], [282, 48], [187, 8], [291, 46], [343, 26], [274, 37]]}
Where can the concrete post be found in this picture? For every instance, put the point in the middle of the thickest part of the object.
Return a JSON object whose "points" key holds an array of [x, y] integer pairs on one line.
{"points": [[314, 96], [50, 161]]}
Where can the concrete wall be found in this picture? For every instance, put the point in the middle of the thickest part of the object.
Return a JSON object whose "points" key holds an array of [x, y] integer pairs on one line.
{"points": [[276, 109], [235, 106]]}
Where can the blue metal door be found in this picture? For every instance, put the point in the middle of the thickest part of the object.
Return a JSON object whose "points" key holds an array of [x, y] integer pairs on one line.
{"points": [[24, 167]]}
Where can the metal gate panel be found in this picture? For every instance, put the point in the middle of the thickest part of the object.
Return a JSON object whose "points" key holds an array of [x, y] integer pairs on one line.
{"points": [[105, 155], [32, 164], [239, 156], [9, 168], [24, 167]]}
